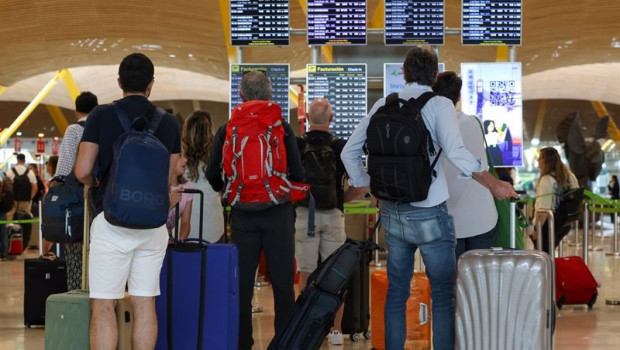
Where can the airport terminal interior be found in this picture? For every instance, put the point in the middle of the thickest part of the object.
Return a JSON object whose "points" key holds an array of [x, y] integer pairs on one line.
{"points": [[545, 73]]}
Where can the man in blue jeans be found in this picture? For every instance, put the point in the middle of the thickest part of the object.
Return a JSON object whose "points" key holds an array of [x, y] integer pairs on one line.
{"points": [[426, 225]]}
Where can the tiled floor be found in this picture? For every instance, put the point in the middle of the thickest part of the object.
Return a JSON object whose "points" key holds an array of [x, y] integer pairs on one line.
{"points": [[577, 328]]}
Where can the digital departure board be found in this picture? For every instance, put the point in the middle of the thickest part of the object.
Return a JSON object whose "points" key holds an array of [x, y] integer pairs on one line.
{"points": [[491, 22], [259, 23], [414, 22], [344, 86], [278, 74], [336, 22], [393, 78]]}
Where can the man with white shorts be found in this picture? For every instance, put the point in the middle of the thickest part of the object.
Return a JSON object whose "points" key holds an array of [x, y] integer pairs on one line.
{"points": [[320, 154], [121, 256]]}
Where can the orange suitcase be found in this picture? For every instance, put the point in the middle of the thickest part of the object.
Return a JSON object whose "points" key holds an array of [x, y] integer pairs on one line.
{"points": [[418, 311]]}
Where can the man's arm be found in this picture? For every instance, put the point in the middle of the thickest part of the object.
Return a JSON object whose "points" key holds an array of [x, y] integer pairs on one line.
{"points": [[34, 188], [174, 157], [87, 155], [293, 158], [499, 189], [68, 150]]}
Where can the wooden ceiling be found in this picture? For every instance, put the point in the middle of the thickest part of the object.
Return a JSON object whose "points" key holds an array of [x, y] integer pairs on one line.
{"points": [[38, 36]]}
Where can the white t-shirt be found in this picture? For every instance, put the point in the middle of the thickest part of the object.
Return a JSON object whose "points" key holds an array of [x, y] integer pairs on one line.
{"points": [[470, 204], [20, 171], [213, 220]]}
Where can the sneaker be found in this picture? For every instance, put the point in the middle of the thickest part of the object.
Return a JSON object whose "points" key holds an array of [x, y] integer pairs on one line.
{"points": [[335, 338]]}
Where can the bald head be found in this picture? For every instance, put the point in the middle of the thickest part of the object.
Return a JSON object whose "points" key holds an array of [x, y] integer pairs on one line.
{"points": [[320, 113]]}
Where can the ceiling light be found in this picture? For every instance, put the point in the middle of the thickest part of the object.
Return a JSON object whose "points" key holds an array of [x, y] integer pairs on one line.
{"points": [[535, 141]]}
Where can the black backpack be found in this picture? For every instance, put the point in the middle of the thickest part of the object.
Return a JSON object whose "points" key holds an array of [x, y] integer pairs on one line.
{"points": [[21, 186], [399, 150], [319, 162]]}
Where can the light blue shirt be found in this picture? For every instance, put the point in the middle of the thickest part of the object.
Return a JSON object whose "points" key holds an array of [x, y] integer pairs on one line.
{"points": [[440, 118]]}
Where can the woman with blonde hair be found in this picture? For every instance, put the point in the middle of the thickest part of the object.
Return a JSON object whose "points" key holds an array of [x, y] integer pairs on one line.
{"points": [[196, 142], [555, 178]]}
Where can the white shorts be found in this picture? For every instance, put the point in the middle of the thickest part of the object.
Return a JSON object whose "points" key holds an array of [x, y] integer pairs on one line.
{"points": [[329, 236], [121, 256]]}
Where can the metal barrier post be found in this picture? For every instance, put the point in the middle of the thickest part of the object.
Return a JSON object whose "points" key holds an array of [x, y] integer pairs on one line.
{"points": [[593, 247], [586, 218], [615, 241], [575, 242]]}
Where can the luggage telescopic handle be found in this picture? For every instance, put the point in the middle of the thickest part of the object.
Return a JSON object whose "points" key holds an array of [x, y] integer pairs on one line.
{"points": [[513, 219], [201, 213], [423, 314]]}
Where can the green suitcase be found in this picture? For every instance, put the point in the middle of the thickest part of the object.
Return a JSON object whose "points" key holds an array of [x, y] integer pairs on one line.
{"points": [[67, 321]]}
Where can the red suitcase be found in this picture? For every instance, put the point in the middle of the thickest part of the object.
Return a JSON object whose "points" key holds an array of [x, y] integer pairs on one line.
{"points": [[574, 283], [16, 241]]}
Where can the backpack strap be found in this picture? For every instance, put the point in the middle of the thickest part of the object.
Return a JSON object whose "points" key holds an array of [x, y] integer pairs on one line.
{"points": [[128, 124], [420, 102], [82, 123]]}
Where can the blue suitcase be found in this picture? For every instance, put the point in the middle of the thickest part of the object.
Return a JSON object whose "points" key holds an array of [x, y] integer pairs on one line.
{"points": [[199, 303]]}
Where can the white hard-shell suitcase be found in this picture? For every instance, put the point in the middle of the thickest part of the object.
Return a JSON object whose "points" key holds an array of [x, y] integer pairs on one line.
{"points": [[504, 300]]}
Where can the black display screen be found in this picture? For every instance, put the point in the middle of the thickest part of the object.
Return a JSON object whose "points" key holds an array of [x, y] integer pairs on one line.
{"points": [[278, 74], [335, 22], [414, 22], [491, 22], [259, 23], [344, 86]]}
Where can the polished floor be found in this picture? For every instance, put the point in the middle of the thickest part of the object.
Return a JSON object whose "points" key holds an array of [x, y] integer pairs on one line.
{"points": [[577, 328]]}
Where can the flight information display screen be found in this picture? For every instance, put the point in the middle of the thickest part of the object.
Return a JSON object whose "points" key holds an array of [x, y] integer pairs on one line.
{"points": [[414, 22], [259, 23], [491, 22], [336, 22], [344, 86], [278, 74]]}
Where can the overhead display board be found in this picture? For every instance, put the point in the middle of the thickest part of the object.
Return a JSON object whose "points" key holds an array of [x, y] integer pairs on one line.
{"points": [[492, 91], [335, 22], [259, 23], [278, 74], [491, 22], [414, 22], [344, 86], [393, 78]]}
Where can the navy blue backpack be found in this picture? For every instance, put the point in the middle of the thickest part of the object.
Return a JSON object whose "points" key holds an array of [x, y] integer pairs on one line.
{"points": [[63, 211], [136, 195]]}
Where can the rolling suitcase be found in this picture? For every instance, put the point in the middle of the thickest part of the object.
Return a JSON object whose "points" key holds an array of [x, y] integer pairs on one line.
{"points": [[42, 278], [574, 283], [356, 315], [67, 325], [199, 303], [504, 299], [316, 306], [16, 240]]}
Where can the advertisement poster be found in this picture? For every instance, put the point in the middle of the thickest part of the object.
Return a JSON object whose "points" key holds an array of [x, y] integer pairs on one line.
{"points": [[393, 80], [492, 91]]}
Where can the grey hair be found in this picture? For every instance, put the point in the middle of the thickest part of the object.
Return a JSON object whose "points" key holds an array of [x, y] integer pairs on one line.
{"points": [[255, 86]]}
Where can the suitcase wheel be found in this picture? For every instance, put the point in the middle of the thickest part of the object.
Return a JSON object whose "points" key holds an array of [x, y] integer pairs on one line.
{"points": [[367, 334], [561, 301], [355, 337], [592, 301]]}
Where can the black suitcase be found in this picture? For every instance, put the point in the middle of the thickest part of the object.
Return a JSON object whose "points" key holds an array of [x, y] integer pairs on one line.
{"points": [[356, 316], [42, 278], [26, 227]]}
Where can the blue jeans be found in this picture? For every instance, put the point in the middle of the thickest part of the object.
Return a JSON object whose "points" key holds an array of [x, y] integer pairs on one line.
{"points": [[408, 228]]}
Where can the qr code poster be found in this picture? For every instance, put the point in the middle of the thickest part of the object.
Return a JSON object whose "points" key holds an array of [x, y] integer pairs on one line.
{"points": [[492, 92]]}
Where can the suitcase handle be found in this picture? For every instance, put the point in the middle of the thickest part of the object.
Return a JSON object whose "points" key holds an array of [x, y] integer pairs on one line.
{"points": [[176, 213], [423, 314]]}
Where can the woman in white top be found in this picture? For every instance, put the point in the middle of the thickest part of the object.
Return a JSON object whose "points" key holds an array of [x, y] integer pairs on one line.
{"points": [[196, 141], [555, 178]]}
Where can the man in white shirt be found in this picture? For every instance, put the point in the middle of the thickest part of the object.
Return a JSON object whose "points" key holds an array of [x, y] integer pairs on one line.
{"points": [[84, 103], [470, 204], [23, 193], [425, 224]]}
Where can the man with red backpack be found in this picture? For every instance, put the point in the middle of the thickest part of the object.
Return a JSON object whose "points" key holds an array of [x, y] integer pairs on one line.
{"points": [[257, 153]]}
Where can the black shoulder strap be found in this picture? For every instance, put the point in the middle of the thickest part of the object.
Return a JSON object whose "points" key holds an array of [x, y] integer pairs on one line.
{"points": [[422, 99], [391, 98], [82, 123], [154, 115]]}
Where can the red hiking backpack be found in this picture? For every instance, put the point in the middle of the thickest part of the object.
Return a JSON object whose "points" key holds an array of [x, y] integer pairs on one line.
{"points": [[254, 158]]}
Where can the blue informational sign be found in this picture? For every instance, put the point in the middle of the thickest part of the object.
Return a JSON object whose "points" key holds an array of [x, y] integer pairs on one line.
{"points": [[493, 92], [393, 79]]}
